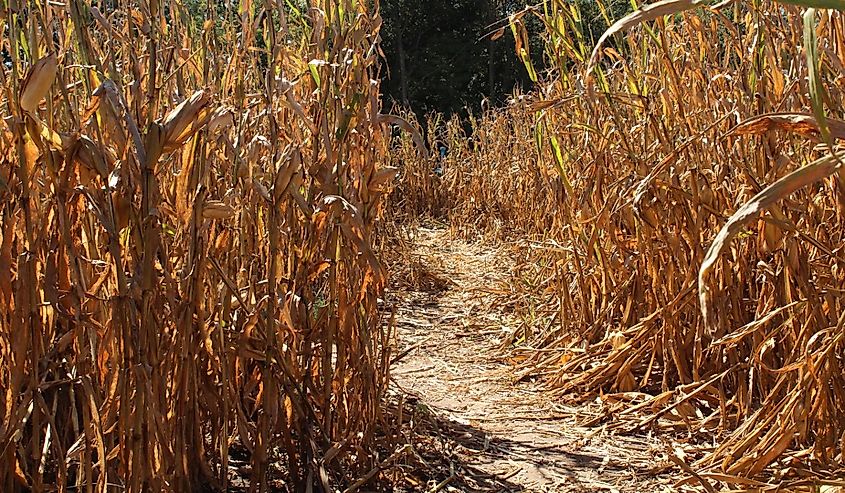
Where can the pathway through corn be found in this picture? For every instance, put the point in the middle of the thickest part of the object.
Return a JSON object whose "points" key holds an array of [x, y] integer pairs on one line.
{"points": [[498, 434]]}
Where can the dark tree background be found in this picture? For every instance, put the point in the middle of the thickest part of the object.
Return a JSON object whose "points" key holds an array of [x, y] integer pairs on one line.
{"points": [[439, 59]]}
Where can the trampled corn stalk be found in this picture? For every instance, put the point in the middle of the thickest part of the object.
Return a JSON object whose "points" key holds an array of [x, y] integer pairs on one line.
{"points": [[187, 204]]}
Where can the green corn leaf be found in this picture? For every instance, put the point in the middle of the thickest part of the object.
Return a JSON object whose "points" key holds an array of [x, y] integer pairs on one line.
{"points": [[816, 87], [315, 71], [560, 169], [538, 134]]}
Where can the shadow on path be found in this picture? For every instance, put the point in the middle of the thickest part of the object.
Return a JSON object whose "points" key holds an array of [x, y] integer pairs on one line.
{"points": [[473, 426]]}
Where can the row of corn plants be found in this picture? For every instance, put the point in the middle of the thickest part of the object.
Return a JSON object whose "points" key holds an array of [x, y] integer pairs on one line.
{"points": [[680, 209], [188, 197]]}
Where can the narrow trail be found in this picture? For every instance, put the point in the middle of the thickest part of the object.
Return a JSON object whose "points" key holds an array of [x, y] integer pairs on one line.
{"points": [[498, 435]]}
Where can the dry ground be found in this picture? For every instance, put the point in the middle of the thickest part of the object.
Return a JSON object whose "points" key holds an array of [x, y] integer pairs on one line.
{"points": [[497, 435]]}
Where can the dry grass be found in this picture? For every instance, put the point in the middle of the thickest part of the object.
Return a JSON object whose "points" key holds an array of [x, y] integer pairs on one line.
{"points": [[187, 213], [616, 188]]}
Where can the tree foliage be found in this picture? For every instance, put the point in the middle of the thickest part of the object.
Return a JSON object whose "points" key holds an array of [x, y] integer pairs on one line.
{"points": [[448, 58], [441, 56]]}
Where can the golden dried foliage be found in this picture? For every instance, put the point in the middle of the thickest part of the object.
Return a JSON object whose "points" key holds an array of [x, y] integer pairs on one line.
{"points": [[618, 174], [187, 213]]}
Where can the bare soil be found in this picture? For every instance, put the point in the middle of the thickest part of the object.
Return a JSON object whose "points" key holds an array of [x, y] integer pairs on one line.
{"points": [[484, 431]]}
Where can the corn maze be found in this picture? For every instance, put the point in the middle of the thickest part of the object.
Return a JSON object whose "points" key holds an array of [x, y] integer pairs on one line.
{"points": [[201, 212]]}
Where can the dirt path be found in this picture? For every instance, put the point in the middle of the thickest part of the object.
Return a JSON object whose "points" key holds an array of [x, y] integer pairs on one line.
{"points": [[500, 436]]}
